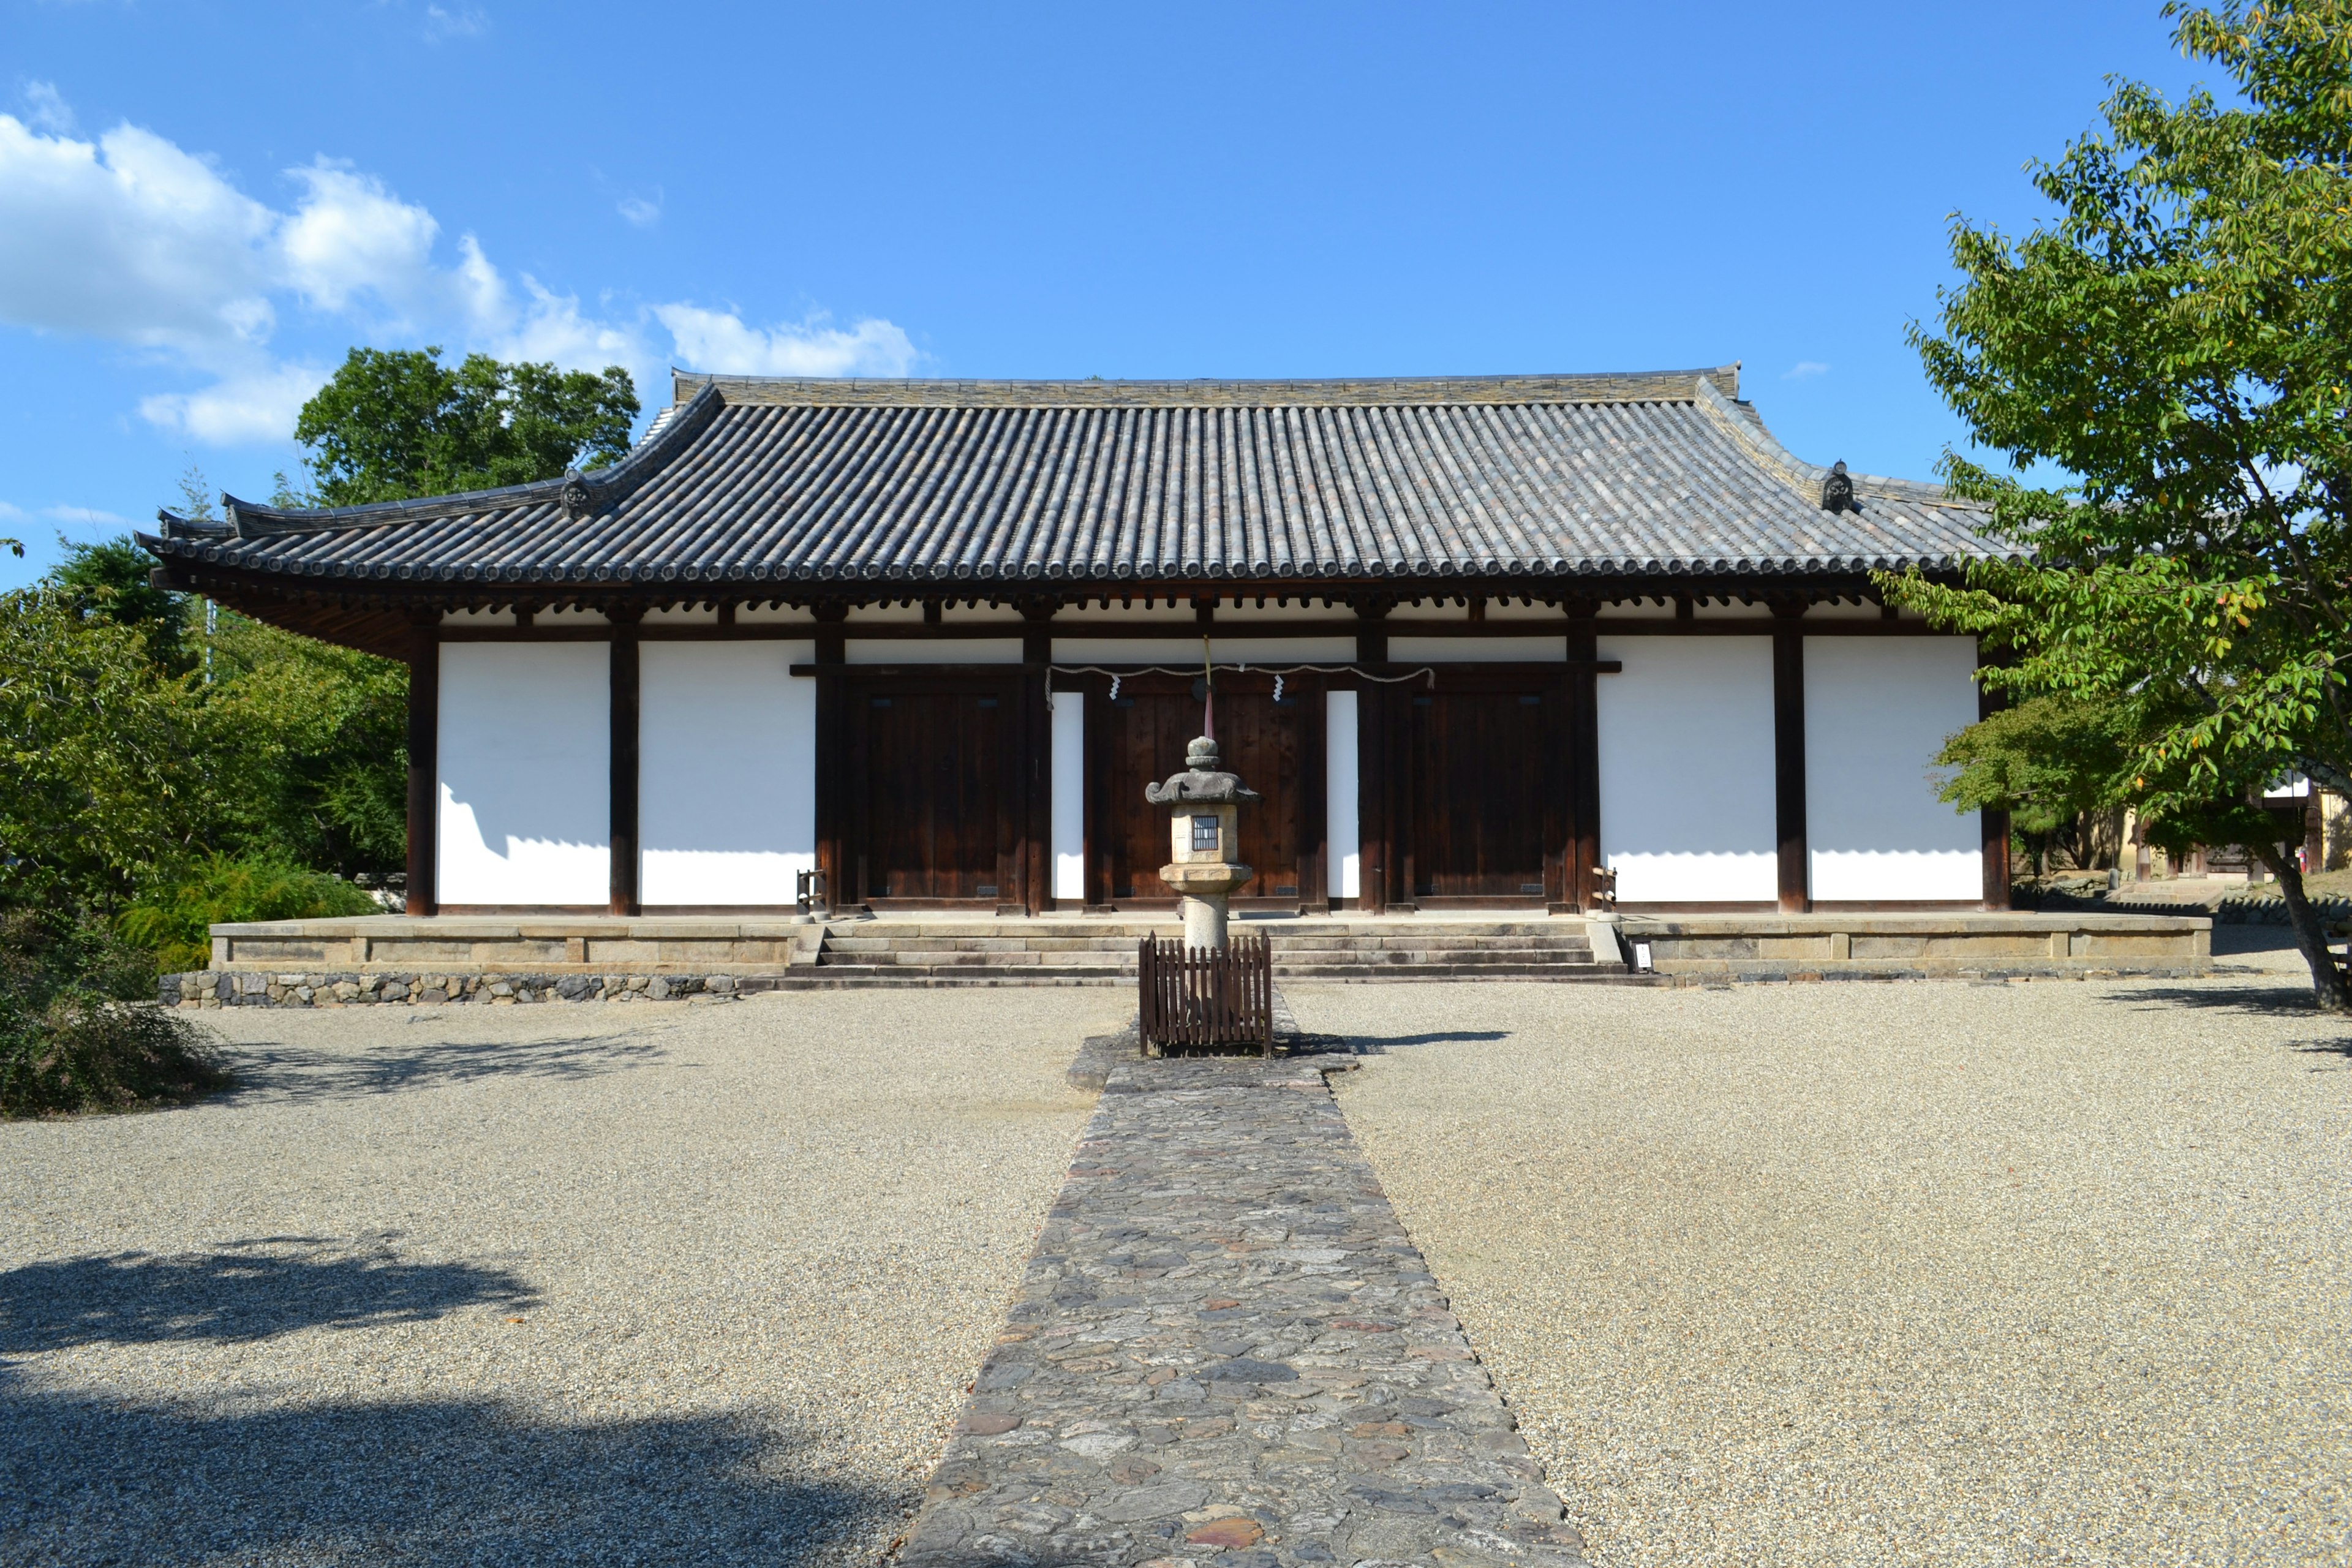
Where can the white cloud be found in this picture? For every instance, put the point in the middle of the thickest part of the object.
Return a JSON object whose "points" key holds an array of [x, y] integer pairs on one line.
{"points": [[1805, 370], [642, 211], [552, 328], [719, 341], [463, 22], [258, 407], [349, 236], [10, 513], [129, 239], [132, 240], [46, 106], [85, 517]]}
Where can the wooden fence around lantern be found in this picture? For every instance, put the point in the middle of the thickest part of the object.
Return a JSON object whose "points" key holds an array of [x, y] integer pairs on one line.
{"points": [[1197, 996]]}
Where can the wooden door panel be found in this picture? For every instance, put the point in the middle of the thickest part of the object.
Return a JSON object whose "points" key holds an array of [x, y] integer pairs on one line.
{"points": [[1481, 763], [937, 778], [1148, 727]]}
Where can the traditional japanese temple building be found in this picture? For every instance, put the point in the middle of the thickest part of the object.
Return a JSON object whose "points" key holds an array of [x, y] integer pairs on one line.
{"points": [[1478, 641]]}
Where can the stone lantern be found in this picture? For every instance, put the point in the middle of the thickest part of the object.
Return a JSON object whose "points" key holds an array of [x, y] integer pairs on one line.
{"points": [[1201, 841]]}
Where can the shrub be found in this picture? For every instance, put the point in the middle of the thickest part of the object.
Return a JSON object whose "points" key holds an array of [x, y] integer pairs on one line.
{"points": [[89, 1053], [173, 922], [71, 1036]]}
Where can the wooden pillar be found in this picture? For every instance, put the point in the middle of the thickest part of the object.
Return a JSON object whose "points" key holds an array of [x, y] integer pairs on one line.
{"points": [[623, 798], [424, 759], [1583, 851], [1034, 837], [1789, 756], [1100, 716], [832, 760], [1374, 784], [1992, 826]]}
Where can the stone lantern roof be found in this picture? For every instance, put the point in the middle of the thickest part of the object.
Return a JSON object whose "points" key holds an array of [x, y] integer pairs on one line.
{"points": [[1201, 781]]}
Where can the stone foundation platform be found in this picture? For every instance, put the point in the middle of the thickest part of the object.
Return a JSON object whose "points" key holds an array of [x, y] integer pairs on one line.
{"points": [[1963, 943], [524, 959]]}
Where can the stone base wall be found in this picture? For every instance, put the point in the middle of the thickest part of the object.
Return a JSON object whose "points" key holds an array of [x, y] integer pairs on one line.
{"points": [[251, 988], [1909, 946]]}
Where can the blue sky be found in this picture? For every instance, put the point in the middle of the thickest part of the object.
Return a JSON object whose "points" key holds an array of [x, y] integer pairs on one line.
{"points": [[202, 207]]}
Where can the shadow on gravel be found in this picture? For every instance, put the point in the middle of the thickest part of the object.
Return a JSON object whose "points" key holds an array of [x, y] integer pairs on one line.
{"points": [[248, 1290], [2285, 1002], [296, 1072], [2270, 1002], [1371, 1045], [97, 1481]]}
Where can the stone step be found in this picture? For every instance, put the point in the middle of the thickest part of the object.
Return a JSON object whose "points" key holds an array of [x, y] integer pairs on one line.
{"points": [[929, 953], [960, 964], [939, 958], [955, 957], [1382, 957], [912, 977], [1013, 941], [929, 944], [1436, 944], [1130, 931], [1584, 973], [884, 976]]}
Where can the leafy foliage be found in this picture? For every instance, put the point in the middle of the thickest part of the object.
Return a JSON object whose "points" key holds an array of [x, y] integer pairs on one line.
{"points": [[2179, 340], [72, 1035], [108, 765], [397, 424], [316, 748], [110, 580], [2049, 762], [173, 921]]}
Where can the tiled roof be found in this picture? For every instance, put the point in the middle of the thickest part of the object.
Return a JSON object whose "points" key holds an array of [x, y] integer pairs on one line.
{"points": [[784, 482]]}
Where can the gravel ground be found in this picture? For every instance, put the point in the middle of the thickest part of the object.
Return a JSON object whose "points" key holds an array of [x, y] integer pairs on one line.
{"points": [[592, 1283], [1922, 1272]]}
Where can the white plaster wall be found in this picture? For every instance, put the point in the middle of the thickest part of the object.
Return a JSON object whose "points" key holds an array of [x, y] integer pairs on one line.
{"points": [[1117, 613], [1686, 807], [726, 772], [1186, 652], [1232, 610], [1478, 650], [773, 616], [1876, 711], [1343, 834], [1069, 773], [525, 765], [932, 650]]}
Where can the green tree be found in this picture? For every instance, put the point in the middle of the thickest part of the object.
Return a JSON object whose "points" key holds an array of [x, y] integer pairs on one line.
{"points": [[107, 775], [2178, 342], [395, 424], [319, 769], [111, 580], [2049, 762]]}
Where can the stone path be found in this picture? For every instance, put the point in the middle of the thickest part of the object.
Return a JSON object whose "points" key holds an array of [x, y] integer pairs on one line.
{"points": [[1227, 1350]]}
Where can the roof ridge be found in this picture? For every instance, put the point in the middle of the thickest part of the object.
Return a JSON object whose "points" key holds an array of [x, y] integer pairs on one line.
{"points": [[1592, 386], [1748, 428], [245, 520]]}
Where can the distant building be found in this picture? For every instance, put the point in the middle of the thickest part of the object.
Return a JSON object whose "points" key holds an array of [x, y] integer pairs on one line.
{"points": [[1475, 640]]}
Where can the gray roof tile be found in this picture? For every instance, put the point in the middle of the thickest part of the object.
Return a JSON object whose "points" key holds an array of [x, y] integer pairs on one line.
{"points": [[783, 482]]}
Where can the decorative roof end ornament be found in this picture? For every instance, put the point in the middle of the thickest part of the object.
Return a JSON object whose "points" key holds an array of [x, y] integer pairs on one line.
{"points": [[1837, 489], [578, 499]]}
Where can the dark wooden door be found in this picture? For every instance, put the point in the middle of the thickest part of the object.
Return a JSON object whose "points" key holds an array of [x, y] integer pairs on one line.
{"points": [[1145, 732], [936, 786], [1483, 804]]}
